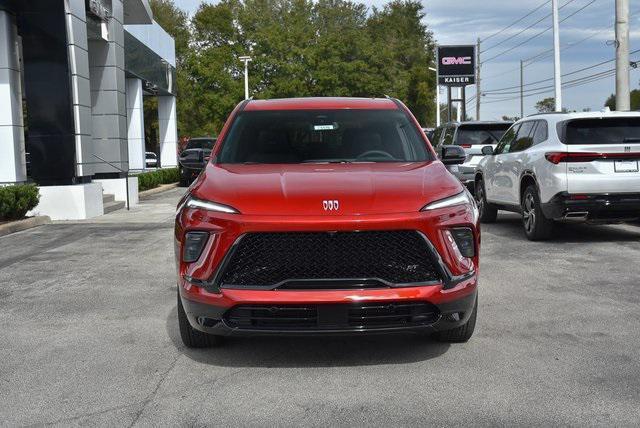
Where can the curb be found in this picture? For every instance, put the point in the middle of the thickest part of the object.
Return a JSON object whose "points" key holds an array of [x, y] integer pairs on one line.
{"points": [[159, 189], [27, 223]]}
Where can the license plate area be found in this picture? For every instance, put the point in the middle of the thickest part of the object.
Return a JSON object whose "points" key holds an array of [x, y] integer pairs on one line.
{"points": [[626, 166]]}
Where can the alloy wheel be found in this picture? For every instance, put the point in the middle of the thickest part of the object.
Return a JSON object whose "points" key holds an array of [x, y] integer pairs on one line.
{"points": [[480, 197], [529, 213]]}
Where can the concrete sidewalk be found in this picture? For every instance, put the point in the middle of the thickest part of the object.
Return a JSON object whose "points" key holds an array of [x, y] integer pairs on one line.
{"points": [[154, 209]]}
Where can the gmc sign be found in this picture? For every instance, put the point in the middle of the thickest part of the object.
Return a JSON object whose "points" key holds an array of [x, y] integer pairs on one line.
{"points": [[456, 65], [451, 60]]}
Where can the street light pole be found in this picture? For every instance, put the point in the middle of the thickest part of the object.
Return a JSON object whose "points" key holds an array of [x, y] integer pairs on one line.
{"points": [[521, 89], [246, 60], [437, 97], [556, 56], [478, 93], [623, 101]]}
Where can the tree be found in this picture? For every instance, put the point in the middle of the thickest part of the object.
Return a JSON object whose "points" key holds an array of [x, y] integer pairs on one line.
{"points": [[299, 48], [635, 100], [405, 46], [546, 105], [176, 23], [510, 118]]}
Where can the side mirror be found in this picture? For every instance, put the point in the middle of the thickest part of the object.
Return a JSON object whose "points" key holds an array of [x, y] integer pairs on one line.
{"points": [[453, 155], [487, 150]]}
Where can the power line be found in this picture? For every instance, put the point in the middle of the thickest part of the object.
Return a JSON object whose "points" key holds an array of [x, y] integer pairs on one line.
{"points": [[547, 53], [566, 85], [541, 55], [549, 87], [540, 33], [531, 12], [499, 90], [525, 29]]}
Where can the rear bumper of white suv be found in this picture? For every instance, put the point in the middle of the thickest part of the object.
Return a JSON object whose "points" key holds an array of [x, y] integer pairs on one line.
{"points": [[603, 207]]}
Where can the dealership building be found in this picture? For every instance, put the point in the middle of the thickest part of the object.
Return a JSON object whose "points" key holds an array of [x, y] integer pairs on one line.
{"points": [[73, 74]]}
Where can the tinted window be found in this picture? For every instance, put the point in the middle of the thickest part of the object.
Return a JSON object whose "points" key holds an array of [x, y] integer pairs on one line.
{"points": [[524, 139], [602, 131], [483, 134], [201, 143], [323, 136], [541, 133], [505, 142], [448, 136], [436, 136]]}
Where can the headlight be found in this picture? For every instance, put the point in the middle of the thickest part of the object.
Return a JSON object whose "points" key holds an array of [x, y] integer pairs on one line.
{"points": [[462, 198], [210, 206]]}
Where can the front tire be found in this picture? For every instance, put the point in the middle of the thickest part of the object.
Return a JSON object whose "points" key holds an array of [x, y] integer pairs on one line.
{"points": [[184, 181], [191, 337], [464, 332], [488, 212], [536, 226]]}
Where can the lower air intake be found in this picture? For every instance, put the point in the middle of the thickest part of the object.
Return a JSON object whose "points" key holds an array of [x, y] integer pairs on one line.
{"points": [[355, 317]]}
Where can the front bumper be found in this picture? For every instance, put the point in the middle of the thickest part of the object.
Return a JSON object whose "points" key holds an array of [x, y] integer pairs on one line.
{"points": [[207, 304], [209, 312], [610, 207]]}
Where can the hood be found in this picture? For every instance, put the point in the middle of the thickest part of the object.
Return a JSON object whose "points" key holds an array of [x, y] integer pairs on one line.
{"points": [[306, 189]]}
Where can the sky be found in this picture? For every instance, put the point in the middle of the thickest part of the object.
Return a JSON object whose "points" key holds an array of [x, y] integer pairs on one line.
{"points": [[586, 32]]}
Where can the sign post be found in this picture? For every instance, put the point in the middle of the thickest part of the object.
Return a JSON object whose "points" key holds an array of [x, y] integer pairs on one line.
{"points": [[457, 68]]}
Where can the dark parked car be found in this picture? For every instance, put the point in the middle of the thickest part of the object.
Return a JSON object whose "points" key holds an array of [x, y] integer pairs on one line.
{"points": [[194, 157], [472, 137]]}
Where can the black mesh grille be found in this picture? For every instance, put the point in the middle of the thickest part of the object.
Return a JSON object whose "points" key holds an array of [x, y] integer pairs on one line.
{"points": [[269, 259], [368, 316]]}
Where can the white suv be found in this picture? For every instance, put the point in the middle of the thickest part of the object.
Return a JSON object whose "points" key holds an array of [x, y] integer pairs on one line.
{"points": [[563, 167]]}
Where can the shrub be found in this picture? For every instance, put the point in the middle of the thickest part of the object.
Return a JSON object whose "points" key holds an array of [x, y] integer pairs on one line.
{"points": [[16, 200], [149, 180]]}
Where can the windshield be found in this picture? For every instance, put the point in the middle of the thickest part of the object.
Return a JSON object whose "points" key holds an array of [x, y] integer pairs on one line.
{"points": [[480, 134], [603, 131], [318, 136], [201, 143]]}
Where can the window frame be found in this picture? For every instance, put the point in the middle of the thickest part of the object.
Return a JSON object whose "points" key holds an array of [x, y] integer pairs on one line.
{"points": [[503, 142]]}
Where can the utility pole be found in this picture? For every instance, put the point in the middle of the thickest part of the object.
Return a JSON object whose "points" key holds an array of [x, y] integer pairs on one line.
{"points": [[246, 60], [478, 94], [556, 55], [521, 89], [623, 101]]}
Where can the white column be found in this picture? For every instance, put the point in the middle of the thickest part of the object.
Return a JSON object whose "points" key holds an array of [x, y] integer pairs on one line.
{"points": [[135, 124], [168, 127], [12, 160]]}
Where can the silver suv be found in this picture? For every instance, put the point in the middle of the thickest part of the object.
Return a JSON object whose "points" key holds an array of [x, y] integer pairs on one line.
{"points": [[472, 137], [563, 167]]}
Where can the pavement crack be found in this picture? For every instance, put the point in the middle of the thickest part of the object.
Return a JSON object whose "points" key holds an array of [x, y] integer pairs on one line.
{"points": [[153, 393]]}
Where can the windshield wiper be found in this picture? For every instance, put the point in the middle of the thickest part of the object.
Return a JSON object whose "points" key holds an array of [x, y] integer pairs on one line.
{"points": [[327, 161]]}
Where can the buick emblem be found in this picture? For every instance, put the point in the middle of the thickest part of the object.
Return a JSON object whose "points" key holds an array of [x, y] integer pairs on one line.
{"points": [[331, 205]]}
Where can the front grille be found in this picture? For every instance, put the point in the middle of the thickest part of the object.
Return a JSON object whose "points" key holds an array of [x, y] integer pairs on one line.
{"points": [[368, 316], [300, 258]]}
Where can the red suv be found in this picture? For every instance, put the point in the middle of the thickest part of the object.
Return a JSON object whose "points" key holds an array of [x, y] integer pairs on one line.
{"points": [[326, 216]]}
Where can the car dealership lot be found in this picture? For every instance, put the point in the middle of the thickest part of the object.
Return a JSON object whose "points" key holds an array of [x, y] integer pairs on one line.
{"points": [[89, 336]]}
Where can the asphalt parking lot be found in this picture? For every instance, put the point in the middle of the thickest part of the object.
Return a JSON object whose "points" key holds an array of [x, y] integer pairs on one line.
{"points": [[89, 336]]}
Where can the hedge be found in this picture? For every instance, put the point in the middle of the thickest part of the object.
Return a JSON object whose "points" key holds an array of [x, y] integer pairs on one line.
{"points": [[149, 180], [16, 200]]}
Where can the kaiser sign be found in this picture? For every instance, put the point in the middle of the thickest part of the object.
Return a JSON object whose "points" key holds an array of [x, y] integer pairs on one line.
{"points": [[456, 65]]}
